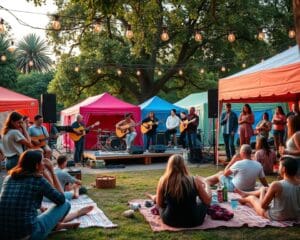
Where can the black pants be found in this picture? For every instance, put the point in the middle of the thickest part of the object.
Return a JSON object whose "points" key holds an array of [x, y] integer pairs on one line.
{"points": [[229, 145], [78, 152], [169, 132], [150, 137], [182, 139]]}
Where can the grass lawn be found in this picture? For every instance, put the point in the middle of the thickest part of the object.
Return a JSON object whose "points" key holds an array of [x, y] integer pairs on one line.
{"points": [[132, 185]]}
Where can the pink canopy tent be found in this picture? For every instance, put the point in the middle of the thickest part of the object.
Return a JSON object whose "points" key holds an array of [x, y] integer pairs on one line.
{"points": [[104, 108]]}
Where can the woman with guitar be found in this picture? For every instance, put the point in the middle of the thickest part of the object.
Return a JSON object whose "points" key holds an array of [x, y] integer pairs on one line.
{"points": [[192, 127], [183, 129], [126, 128], [148, 128]]}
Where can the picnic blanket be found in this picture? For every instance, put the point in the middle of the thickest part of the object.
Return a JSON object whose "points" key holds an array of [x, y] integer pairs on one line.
{"points": [[243, 216], [95, 218]]}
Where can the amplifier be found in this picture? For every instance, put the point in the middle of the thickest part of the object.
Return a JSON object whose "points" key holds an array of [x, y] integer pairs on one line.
{"points": [[157, 148], [136, 150]]}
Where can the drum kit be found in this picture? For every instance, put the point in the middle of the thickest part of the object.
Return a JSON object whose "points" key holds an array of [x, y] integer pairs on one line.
{"points": [[108, 141]]}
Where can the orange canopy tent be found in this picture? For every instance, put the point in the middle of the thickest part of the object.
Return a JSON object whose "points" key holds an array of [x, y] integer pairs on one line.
{"points": [[12, 101]]}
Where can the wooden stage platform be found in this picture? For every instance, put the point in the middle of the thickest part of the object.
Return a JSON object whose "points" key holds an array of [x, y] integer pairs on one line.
{"points": [[146, 156]]}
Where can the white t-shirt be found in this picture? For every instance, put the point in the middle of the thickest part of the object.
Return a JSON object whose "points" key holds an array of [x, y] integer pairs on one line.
{"points": [[11, 145], [172, 122], [245, 173]]}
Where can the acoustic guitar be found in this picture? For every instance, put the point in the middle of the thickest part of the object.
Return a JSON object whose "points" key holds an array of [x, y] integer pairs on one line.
{"points": [[121, 131], [41, 141], [76, 137], [147, 126], [184, 124]]}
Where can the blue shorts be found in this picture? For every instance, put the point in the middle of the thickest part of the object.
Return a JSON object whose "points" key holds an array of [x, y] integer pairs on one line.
{"points": [[228, 182], [278, 132]]}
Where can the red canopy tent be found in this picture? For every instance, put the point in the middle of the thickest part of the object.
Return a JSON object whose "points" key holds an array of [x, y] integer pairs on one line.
{"points": [[104, 108], [12, 101]]}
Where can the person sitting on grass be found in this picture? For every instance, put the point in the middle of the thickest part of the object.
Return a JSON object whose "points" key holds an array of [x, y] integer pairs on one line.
{"points": [[284, 194], [242, 174], [177, 193], [67, 182]]}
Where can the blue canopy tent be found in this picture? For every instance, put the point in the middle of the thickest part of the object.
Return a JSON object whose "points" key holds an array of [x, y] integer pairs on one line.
{"points": [[161, 108]]}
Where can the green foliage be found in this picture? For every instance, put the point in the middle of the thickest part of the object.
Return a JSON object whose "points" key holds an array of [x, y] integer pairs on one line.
{"points": [[8, 70], [34, 84], [33, 50]]}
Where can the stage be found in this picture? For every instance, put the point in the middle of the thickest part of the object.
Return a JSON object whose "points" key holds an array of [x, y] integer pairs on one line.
{"points": [[123, 155]]}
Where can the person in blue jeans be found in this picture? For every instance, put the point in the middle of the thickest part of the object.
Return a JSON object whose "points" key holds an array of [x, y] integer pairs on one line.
{"points": [[192, 128], [79, 145], [229, 123], [21, 195]]}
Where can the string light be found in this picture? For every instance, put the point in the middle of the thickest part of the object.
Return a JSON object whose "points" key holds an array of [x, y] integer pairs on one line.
{"points": [[119, 72], [292, 33], [165, 36], [231, 37], [3, 58], [261, 36], [243, 65], [138, 73], [198, 36], [12, 47], [223, 69], [97, 26], [159, 73], [76, 69], [129, 32], [99, 70], [202, 70], [180, 72], [2, 26], [56, 23], [30, 63]]}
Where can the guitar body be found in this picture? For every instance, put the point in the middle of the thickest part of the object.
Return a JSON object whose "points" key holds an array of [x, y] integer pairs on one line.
{"points": [[121, 132], [183, 125], [76, 137], [147, 126], [42, 141]]}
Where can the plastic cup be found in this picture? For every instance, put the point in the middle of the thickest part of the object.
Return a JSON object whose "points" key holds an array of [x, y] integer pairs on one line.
{"points": [[234, 203]]}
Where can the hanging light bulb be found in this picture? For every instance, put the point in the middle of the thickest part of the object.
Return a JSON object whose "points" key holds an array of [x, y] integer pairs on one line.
{"points": [[12, 47], [165, 36], [198, 36], [30, 63], [202, 70], [138, 73], [159, 73], [119, 72], [56, 23], [97, 26], [2, 26], [76, 69], [3, 58], [129, 32], [261, 36], [99, 70], [223, 69], [180, 72], [231, 37], [243, 65], [292, 33]]}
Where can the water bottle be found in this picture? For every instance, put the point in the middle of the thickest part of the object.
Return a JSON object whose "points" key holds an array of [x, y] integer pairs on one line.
{"points": [[214, 198]]}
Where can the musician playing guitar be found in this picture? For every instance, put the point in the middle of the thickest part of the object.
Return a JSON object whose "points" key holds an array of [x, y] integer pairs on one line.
{"points": [[182, 137], [150, 125], [39, 136], [128, 126], [192, 128]]}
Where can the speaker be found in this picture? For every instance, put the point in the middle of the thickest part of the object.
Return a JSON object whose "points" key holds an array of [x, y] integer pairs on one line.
{"points": [[212, 95], [195, 155], [48, 104], [157, 148], [136, 150], [160, 138]]}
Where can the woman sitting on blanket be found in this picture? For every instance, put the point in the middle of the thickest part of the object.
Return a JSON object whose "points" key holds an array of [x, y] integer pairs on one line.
{"points": [[285, 194], [178, 195]]}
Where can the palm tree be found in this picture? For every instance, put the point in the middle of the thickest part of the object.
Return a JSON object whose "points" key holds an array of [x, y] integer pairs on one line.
{"points": [[32, 54]]}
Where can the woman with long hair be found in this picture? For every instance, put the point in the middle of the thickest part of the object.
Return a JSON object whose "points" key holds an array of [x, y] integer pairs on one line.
{"points": [[265, 155], [177, 194], [21, 195], [246, 119], [279, 122], [15, 136]]}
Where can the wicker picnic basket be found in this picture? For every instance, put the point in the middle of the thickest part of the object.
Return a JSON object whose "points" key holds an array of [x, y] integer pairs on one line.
{"points": [[105, 182]]}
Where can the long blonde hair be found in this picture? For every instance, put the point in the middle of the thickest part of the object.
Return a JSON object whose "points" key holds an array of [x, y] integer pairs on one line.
{"points": [[176, 178]]}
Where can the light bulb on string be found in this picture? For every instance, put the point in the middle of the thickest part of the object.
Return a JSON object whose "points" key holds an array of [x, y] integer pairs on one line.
{"points": [[244, 65], [56, 23], [97, 26], [202, 70], [129, 32], [2, 26], [3, 58], [159, 73], [223, 69], [231, 37], [12, 47], [76, 69], [198, 36], [180, 72], [165, 36], [261, 36], [99, 70], [292, 33], [119, 72], [138, 73], [30, 63]]}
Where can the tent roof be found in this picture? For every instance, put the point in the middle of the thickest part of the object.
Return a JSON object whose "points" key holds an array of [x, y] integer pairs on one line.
{"points": [[103, 101], [194, 99], [275, 79], [156, 103], [10, 96]]}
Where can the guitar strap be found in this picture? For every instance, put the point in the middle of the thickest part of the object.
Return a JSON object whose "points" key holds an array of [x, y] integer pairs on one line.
{"points": [[43, 131]]}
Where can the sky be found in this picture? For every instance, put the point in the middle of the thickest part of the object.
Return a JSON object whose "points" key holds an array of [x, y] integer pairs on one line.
{"points": [[40, 20]]}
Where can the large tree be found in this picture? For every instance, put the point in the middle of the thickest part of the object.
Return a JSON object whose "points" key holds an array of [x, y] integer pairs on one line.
{"points": [[157, 61]]}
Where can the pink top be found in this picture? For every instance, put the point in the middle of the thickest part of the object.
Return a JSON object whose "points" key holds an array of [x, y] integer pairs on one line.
{"points": [[247, 117], [279, 125], [266, 161]]}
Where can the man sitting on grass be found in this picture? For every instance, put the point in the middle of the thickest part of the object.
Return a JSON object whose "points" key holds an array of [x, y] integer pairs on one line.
{"points": [[285, 194], [68, 183], [242, 174]]}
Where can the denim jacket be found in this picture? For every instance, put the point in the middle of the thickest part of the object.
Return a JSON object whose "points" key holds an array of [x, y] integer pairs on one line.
{"points": [[233, 122]]}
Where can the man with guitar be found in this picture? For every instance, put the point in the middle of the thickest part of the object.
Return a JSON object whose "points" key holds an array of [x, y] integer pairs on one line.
{"points": [[193, 122], [148, 127], [126, 128], [183, 129], [39, 136]]}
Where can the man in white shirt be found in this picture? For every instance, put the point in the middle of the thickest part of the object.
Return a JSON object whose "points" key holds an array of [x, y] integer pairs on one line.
{"points": [[242, 174], [172, 124]]}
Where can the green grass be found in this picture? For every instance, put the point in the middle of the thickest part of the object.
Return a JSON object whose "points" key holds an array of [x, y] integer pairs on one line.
{"points": [[133, 185]]}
